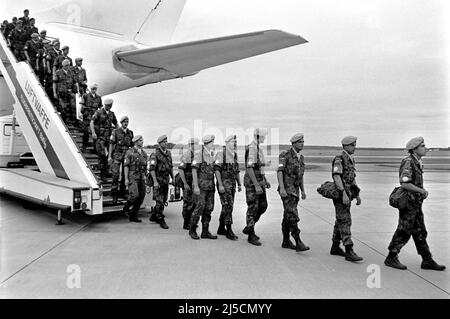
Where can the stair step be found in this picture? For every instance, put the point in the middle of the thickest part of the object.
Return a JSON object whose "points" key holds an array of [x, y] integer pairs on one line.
{"points": [[112, 209], [107, 201]]}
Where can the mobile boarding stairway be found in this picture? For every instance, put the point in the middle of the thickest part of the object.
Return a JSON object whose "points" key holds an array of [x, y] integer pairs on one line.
{"points": [[66, 178]]}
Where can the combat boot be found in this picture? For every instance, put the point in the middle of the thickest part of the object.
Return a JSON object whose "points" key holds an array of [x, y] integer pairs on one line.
{"points": [[336, 250], [186, 224], [299, 245], [287, 243], [429, 263], [193, 232], [114, 198], [221, 230], [163, 224], [134, 218], [392, 261], [350, 255], [126, 209], [246, 231], [153, 216], [230, 234], [206, 234], [252, 239]]}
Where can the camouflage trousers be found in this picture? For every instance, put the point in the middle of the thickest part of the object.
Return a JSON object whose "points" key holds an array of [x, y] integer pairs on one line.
{"points": [[85, 128], [410, 223], [188, 205], [160, 195], [227, 201], [342, 226], [290, 215], [117, 173], [101, 145], [256, 205], [204, 206], [67, 105], [136, 195]]}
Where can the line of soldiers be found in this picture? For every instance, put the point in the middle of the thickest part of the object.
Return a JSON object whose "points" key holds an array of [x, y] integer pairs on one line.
{"points": [[61, 78], [202, 171], [200, 168]]}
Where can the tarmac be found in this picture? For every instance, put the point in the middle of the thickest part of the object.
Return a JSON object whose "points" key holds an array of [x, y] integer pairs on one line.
{"points": [[113, 258]]}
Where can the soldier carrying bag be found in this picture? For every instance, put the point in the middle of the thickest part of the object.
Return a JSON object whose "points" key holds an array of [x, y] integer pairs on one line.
{"points": [[398, 198]]}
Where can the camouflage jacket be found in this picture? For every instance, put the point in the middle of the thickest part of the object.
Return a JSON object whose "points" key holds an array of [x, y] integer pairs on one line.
{"points": [[228, 166], [18, 38], [90, 104], [80, 74], [103, 123], [52, 54], [33, 47], [64, 81], [186, 161], [57, 62], [293, 168], [344, 165], [161, 164], [411, 171], [254, 158], [204, 163], [122, 141], [137, 163]]}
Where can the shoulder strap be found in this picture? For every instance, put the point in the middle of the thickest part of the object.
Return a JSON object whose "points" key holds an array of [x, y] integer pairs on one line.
{"points": [[224, 159], [257, 153]]}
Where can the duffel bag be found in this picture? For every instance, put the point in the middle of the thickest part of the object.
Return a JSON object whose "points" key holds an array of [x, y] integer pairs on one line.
{"points": [[329, 190]]}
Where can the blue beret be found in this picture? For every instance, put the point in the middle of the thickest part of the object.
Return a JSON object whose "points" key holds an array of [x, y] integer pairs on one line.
{"points": [[415, 142], [230, 138], [208, 139], [297, 137], [349, 140], [162, 138]]}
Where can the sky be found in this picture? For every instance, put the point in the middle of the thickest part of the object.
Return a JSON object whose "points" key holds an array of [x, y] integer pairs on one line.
{"points": [[375, 69]]}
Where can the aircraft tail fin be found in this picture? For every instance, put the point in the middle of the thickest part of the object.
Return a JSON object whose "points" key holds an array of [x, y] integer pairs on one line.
{"points": [[150, 22], [160, 24]]}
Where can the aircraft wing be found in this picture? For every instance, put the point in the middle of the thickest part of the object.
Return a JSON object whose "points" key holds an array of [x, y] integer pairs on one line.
{"points": [[189, 58]]}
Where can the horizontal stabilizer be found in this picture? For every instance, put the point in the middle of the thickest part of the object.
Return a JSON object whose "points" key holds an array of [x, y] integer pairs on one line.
{"points": [[189, 58]]}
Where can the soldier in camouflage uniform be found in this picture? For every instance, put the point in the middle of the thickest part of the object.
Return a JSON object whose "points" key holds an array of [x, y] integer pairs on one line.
{"points": [[31, 28], [161, 170], [57, 63], [64, 89], [10, 26], [227, 175], [102, 123], [17, 39], [53, 52], [90, 103], [135, 167], [255, 185], [411, 221], [4, 27], [31, 50], [290, 179], [344, 177], [204, 189], [119, 143], [185, 171], [41, 62], [80, 75]]}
